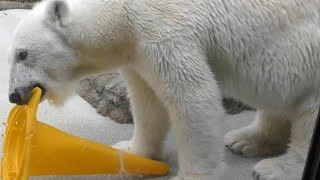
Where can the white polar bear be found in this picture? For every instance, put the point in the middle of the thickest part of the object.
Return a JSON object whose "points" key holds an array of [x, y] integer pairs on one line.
{"points": [[178, 57]]}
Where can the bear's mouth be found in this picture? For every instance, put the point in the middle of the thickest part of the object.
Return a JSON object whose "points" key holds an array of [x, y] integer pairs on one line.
{"points": [[43, 89]]}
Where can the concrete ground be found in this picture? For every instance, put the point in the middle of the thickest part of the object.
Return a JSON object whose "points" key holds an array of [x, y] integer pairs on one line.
{"points": [[79, 118]]}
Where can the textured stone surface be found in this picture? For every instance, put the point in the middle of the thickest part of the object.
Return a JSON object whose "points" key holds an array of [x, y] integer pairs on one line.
{"points": [[107, 93], [22, 1], [17, 4], [234, 107]]}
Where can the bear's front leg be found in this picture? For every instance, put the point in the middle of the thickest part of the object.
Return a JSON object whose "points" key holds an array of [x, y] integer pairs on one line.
{"points": [[186, 86], [149, 116], [197, 121]]}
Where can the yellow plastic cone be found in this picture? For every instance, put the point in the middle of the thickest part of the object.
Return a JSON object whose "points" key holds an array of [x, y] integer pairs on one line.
{"points": [[32, 148]]}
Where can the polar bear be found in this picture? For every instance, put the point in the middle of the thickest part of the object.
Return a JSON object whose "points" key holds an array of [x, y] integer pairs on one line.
{"points": [[178, 58]]}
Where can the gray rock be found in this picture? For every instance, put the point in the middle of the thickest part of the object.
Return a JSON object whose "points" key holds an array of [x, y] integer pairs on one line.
{"points": [[233, 106], [107, 93], [17, 4]]}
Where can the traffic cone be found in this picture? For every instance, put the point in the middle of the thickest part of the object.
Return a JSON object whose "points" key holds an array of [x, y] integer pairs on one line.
{"points": [[32, 148]]}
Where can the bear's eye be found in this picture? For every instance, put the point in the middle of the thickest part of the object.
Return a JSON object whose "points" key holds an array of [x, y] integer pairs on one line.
{"points": [[23, 55]]}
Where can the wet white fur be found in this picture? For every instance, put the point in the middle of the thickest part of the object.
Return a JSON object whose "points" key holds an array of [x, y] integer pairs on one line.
{"points": [[179, 57]]}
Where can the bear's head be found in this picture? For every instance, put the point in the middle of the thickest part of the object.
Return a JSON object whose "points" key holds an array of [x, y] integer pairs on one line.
{"points": [[52, 48], [60, 42], [40, 54]]}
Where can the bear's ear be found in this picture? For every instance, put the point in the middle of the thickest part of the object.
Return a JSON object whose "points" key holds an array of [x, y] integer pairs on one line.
{"points": [[58, 11]]}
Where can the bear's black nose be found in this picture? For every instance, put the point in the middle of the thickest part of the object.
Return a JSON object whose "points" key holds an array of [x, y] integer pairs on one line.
{"points": [[16, 98]]}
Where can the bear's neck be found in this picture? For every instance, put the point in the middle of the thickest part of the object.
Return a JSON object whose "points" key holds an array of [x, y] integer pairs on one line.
{"points": [[102, 30], [98, 24]]}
